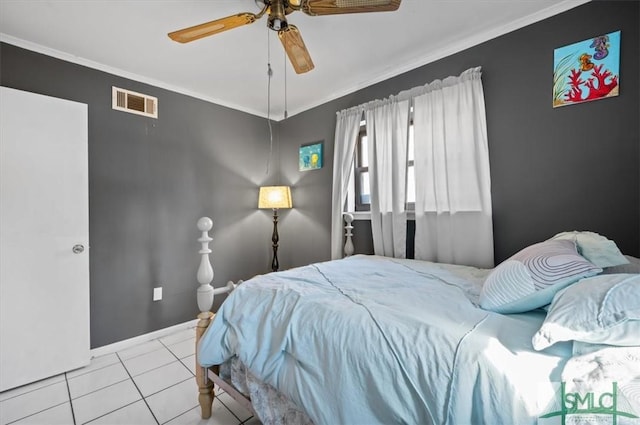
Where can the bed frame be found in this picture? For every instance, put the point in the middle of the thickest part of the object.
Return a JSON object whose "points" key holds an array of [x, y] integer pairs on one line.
{"points": [[208, 378]]}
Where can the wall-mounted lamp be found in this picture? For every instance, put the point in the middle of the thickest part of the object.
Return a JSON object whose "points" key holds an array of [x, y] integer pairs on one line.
{"points": [[275, 197]]}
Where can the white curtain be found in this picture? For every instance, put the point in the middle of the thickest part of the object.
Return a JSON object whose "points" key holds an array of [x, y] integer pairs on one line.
{"points": [[451, 160], [387, 124], [453, 186], [347, 127]]}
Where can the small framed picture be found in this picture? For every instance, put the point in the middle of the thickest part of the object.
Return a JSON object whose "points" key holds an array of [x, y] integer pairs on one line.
{"points": [[310, 157]]}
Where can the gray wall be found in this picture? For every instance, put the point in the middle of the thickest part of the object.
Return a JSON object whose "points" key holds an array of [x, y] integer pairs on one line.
{"points": [[149, 182], [570, 168], [576, 167]]}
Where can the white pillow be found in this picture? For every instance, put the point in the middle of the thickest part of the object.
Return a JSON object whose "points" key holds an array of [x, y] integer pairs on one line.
{"points": [[530, 278], [603, 309], [596, 248]]}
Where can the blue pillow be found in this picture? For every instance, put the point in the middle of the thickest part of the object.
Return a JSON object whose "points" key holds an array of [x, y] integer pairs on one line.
{"points": [[530, 278], [603, 309]]}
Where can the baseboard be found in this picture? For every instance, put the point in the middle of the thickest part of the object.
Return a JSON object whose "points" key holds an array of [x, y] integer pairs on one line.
{"points": [[131, 342]]}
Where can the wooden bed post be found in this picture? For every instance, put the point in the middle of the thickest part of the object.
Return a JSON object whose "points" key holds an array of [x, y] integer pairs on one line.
{"points": [[205, 302], [205, 385], [205, 297]]}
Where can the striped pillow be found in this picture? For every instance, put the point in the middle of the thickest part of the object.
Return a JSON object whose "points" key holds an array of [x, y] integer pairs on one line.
{"points": [[530, 278]]}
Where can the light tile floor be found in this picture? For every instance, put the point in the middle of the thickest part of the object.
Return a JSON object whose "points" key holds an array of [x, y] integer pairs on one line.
{"points": [[151, 383]]}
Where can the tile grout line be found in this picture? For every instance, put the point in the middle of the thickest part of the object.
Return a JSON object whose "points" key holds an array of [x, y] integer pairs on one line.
{"points": [[170, 386], [185, 366], [108, 413], [138, 389], [179, 360], [164, 346], [215, 397], [93, 392], [43, 410], [36, 413], [139, 355], [120, 361], [92, 370], [177, 416], [99, 389], [142, 354], [248, 419], [179, 341], [130, 377], [30, 391], [240, 421], [73, 413], [174, 355]]}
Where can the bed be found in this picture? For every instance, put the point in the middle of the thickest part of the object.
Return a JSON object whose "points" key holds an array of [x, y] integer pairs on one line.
{"points": [[368, 339]]}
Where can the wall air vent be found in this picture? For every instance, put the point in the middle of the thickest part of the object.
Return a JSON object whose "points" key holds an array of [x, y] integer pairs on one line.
{"points": [[135, 103]]}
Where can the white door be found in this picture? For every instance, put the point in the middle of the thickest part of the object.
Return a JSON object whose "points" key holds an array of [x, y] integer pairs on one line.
{"points": [[44, 237]]}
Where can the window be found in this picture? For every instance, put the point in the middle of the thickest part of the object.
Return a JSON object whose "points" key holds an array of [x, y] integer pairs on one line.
{"points": [[360, 186], [361, 171]]}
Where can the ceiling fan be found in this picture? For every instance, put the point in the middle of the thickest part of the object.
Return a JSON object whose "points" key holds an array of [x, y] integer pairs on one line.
{"points": [[289, 35]]}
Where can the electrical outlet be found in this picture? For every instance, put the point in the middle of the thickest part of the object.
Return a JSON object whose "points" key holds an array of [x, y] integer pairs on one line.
{"points": [[157, 294]]}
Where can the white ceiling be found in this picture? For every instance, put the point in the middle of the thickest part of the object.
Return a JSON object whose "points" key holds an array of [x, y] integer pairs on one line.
{"points": [[129, 38]]}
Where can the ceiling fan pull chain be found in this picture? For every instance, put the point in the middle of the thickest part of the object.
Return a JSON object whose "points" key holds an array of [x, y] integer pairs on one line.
{"points": [[269, 74], [286, 114]]}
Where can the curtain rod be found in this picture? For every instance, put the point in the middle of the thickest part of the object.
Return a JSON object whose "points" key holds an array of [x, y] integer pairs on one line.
{"points": [[469, 74]]}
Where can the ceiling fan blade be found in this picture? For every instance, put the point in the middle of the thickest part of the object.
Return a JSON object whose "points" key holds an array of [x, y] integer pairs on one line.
{"points": [[336, 7], [296, 50], [214, 27]]}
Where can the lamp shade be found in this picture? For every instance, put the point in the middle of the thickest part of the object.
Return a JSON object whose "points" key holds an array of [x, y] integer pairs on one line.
{"points": [[274, 197]]}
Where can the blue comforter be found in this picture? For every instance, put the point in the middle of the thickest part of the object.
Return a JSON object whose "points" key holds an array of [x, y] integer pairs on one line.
{"points": [[368, 340]]}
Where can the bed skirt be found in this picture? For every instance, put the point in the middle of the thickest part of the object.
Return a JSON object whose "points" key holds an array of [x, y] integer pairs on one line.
{"points": [[271, 406]]}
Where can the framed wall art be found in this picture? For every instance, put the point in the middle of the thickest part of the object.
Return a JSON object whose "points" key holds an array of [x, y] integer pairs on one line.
{"points": [[587, 70], [310, 156]]}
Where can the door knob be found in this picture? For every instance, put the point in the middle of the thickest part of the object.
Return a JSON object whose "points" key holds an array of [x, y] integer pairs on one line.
{"points": [[78, 249]]}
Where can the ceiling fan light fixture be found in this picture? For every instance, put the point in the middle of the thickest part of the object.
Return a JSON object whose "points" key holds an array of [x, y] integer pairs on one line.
{"points": [[277, 24], [277, 19]]}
